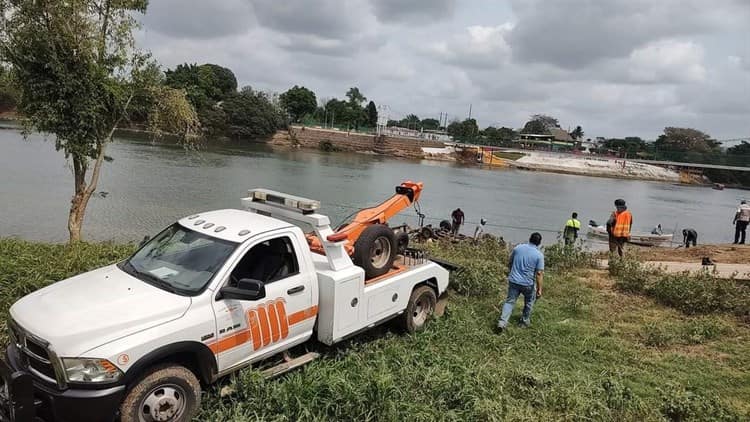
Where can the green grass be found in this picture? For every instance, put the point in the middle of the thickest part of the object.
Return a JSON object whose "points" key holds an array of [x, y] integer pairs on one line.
{"points": [[592, 353]]}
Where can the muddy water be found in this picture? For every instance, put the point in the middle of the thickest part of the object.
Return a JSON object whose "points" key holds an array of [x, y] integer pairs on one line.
{"points": [[147, 186]]}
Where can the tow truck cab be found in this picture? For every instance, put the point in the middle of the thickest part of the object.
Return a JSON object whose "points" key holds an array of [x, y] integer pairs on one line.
{"points": [[210, 294]]}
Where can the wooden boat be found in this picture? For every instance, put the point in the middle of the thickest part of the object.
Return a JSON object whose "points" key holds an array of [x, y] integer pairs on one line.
{"points": [[638, 238], [718, 186]]}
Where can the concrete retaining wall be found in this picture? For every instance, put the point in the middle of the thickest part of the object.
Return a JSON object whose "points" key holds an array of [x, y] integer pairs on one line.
{"points": [[354, 142]]}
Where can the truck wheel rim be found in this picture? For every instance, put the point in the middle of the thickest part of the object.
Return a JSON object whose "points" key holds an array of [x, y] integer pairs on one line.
{"points": [[380, 252], [163, 403], [422, 309]]}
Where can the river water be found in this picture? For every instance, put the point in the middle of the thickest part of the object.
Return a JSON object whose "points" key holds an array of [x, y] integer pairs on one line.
{"points": [[147, 186]]}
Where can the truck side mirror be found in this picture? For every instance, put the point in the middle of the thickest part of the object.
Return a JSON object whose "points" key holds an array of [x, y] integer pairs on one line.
{"points": [[247, 289]]}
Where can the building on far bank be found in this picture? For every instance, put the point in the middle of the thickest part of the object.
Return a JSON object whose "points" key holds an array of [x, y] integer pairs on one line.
{"points": [[556, 140], [402, 132]]}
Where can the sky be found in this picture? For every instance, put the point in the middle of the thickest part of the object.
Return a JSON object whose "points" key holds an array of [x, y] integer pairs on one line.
{"points": [[616, 67]]}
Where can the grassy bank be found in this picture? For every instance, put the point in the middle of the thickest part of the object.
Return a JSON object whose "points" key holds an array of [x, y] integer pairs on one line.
{"points": [[592, 353]]}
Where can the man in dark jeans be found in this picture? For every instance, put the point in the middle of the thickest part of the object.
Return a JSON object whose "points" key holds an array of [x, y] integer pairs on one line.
{"points": [[741, 220], [525, 278]]}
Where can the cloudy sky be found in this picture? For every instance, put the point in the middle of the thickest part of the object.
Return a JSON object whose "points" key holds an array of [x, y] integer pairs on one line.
{"points": [[616, 67]]}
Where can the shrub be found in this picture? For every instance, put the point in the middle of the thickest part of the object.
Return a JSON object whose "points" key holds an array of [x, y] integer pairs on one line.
{"points": [[629, 275], [680, 405], [483, 265], [566, 258], [700, 293]]}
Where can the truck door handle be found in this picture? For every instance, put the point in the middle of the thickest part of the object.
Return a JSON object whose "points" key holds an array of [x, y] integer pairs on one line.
{"points": [[294, 290]]}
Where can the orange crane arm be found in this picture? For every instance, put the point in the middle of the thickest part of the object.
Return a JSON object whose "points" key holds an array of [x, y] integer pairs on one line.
{"points": [[406, 194]]}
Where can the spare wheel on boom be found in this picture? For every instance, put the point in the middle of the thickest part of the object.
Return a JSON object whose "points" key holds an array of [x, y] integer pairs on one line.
{"points": [[375, 250]]}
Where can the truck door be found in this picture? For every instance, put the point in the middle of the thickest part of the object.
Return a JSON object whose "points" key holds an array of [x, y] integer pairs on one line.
{"points": [[286, 315]]}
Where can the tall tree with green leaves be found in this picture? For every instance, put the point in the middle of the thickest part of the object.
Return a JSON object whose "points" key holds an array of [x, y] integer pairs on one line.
{"points": [[78, 71], [372, 114], [540, 124], [577, 133], [298, 101]]}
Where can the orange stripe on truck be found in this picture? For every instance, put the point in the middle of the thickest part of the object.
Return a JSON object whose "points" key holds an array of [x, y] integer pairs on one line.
{"points": [[300, 316], [265, 324]]}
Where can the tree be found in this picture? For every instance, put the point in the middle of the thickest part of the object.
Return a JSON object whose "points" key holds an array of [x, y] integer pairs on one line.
{"points": [[372, 114], [251, 114], [172, 113], [740, 149], [499, 137], [430, 124], [681, 140], [355, 97], [631, 145], [411, 121], [540, 124], [77, 71], [463, 131], [298, 101], [577, 133], [205, 84], [9, 92]]}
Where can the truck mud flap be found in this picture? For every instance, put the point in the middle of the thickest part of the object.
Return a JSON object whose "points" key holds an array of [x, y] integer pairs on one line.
{"points": [[441, 305], [16, 395]]}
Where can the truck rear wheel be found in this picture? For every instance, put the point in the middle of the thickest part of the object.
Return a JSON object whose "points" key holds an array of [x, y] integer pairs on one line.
{"points": [[169, 393], [375, 250], [420, 308]]}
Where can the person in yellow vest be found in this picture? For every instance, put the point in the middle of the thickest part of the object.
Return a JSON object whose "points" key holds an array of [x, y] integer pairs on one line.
{"points": [[618, 227], [572, 226]]}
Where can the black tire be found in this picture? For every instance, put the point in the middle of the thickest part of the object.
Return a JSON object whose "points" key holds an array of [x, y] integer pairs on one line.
{"points": [[402, 242], [176, 390], [446, 225], [420, 308], [375, 250], [427, 233]]}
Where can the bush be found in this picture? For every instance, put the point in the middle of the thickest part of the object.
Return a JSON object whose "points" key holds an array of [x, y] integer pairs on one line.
{"points": [[483, 265], [680, 405], [629, 275], [567, 258], [691, 293], [701, 293]]}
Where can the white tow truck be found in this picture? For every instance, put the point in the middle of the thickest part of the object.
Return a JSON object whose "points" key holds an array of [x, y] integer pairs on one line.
{"points": [[210, 294]]}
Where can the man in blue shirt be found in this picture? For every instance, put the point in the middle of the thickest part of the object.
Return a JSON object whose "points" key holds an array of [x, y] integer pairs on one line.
{"points": [[525, 278]]}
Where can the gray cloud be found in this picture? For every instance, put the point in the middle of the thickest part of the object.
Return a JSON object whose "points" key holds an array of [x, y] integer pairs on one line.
{"points": [[616, 67], [422, 11], [199, 20], [576, 33]]}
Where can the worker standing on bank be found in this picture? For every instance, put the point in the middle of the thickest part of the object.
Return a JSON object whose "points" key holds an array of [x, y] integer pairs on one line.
{"points": [[457, 217], [572, 226], [618, 227], [525, 278], [741, 220]]}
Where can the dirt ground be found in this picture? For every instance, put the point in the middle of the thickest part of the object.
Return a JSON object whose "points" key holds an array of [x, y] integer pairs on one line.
{"points": [[725, 254]]}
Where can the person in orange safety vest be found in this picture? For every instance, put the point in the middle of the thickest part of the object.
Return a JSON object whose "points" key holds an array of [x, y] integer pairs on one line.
{"points": [[618, 227]]}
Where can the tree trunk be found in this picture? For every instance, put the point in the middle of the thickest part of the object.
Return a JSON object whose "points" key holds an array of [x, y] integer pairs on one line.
{"points": [[83, 190]]}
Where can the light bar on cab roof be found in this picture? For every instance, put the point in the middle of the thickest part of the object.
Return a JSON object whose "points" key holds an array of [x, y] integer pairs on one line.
{"points": [[288, 201]]}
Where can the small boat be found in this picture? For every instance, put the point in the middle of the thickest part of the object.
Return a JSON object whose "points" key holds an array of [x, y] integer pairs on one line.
{"points": [[718, 186], [638, 238]]}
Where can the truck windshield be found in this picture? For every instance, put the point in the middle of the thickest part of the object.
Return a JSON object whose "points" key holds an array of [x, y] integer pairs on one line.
{"points": [[179, 260]]}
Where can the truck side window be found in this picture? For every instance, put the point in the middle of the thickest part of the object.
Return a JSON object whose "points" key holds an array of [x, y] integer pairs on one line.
{"points": [[267, 261]]}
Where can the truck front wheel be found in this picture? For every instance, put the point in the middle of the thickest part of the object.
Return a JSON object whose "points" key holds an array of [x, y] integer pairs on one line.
{"points": [[421, 306], [165, 393]]}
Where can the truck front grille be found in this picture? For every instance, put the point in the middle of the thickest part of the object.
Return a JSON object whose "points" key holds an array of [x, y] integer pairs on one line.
{"points": [[35, 353]]}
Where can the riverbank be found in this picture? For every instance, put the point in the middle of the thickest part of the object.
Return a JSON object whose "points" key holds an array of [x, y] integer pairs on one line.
{"points": [[598, 354]]}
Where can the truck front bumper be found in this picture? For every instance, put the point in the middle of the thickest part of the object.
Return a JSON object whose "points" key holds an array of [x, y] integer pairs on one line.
{"points": [[24, 399]]}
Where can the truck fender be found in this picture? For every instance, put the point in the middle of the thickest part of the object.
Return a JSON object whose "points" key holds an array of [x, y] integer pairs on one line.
{"points": [[193, 355]]}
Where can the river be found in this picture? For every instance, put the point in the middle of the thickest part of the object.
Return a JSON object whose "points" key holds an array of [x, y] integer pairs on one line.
{"points": [[147, 186]]}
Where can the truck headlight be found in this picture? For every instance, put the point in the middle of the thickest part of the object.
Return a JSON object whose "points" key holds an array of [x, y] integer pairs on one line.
{"points": [[90, 370]]}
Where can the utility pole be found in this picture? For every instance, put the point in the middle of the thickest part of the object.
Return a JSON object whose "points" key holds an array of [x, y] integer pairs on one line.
{"points": [[469, 111]]}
